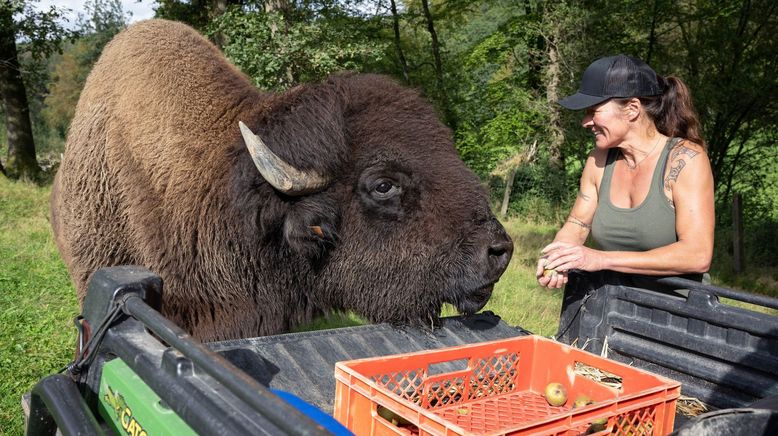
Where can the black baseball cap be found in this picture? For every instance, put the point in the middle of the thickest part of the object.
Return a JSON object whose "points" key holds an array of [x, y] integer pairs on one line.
{"points": [[619, 76]]}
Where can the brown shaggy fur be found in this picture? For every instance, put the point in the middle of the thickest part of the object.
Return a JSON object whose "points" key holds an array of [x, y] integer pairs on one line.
{"points": [[156, 173]]}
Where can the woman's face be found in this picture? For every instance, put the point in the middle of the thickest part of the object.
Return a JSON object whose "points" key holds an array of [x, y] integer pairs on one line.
{"points": [[608, 122]]}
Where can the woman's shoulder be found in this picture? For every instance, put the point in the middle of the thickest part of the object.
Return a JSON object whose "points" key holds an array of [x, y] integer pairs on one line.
{"points": [[685, 152], [687, 161], [684, 147], [598, 157], [595, 166]]}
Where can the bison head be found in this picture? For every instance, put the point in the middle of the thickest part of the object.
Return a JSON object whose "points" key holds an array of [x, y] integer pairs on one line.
{"points": [[389, 220]]}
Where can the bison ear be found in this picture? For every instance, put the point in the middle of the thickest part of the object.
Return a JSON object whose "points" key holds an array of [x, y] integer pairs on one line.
{"points": [[304, 128], [310, 227]]}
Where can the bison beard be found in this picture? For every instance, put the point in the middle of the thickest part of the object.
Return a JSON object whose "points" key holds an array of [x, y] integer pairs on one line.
{"points": [[342, 195]]}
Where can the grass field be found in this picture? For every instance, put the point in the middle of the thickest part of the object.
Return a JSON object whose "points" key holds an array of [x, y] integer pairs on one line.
{"points": [[37, 300]]}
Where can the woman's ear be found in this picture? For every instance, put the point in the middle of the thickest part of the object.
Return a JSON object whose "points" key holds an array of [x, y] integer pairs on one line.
{"points": [[632, 109]]}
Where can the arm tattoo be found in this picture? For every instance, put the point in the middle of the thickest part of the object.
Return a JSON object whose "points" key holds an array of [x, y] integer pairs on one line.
{"points": [[684, 150], [670, 201], [672, 176], [578, 222], [583, 196]]}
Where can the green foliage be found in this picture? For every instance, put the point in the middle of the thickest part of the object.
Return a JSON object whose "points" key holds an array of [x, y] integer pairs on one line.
{"points": [[103, 20], [196, 13], [55, 63], [761, 268], [724, 51], [540, 194], [39, 33], [67, 80], [295, 52], [70, 70], [27, 37], [505, 134], [498, 115]]}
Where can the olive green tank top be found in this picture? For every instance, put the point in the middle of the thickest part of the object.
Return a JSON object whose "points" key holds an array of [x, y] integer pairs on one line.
{"points": [[649, 225]]}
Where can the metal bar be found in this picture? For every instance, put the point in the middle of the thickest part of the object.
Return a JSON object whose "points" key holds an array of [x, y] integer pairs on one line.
{"points": [[760, 300], [279, 412]]}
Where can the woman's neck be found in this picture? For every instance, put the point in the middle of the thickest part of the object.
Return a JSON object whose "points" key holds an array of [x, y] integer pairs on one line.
{"points": [[636, 151]]}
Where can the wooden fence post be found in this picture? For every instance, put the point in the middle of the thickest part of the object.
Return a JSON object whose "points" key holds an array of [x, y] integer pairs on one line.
{"points": [[737, 233], [507, 194]]}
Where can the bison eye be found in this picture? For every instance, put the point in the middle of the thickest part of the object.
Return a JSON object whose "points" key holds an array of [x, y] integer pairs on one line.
{"points": [[385, 189]]}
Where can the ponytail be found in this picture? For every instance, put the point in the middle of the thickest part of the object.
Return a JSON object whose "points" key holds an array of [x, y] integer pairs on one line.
{"points": [[673, 112]]}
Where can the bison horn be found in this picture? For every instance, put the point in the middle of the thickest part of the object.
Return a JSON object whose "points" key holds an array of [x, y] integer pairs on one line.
{"points": [[276, 171]]}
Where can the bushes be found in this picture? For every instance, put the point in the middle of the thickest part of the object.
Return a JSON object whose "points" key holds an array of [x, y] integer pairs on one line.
{"points": [[540, 194]]}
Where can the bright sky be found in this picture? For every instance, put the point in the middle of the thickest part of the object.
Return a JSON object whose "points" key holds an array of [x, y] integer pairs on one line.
{"points": [[141, 9]]}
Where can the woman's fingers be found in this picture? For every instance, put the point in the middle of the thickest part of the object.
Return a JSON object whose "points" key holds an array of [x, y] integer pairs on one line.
{"points": [[553, 279], [541, 266], [567, 261], [555, 246], [556, 259], [558, 280]]}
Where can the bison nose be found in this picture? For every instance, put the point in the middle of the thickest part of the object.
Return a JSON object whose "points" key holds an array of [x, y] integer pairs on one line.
{"points": [[499, 254]]}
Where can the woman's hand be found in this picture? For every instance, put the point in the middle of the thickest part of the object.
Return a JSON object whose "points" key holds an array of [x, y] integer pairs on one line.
{"points": [[562, 257], [549, 278]]}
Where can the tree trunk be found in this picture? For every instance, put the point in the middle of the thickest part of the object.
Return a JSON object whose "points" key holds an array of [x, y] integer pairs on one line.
{"points": [[281, 7], [218, 7], [513, 166], [450, 120], [552, 95], [652, 34], [507, 194], [21, 161], [397, 46], [737, 234]]}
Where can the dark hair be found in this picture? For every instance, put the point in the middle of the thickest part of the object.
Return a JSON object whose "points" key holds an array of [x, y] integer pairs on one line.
{"points": [[673, 112]]}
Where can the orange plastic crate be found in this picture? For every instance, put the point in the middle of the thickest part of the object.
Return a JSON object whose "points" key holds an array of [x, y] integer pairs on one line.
{"points": [[496, 388]]}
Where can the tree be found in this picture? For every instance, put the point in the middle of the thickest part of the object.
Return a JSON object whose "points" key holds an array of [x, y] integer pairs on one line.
{"points": [[105, 19], [730, 54], [21, 147], [724, 51], [397, 44], [197, 13], [297, 43], [435, 47], [43, 35], [278, 12]]}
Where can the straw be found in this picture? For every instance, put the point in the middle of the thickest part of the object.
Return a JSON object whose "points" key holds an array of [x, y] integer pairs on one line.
{"points": [[690, 407], [598, 375]]}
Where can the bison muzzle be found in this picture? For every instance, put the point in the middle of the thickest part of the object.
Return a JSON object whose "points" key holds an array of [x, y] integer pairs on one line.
{"points": [[261, 210]]}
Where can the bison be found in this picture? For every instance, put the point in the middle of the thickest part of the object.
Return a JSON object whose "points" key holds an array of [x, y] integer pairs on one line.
{"points": [[263, 210]]}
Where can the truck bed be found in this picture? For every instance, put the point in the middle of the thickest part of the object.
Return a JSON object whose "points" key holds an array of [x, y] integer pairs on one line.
{"points": [[304, 363], [723, 355]]}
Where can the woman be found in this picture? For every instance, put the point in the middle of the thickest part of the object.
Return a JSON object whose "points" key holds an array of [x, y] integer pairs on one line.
{"points": [[646, 192]]}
